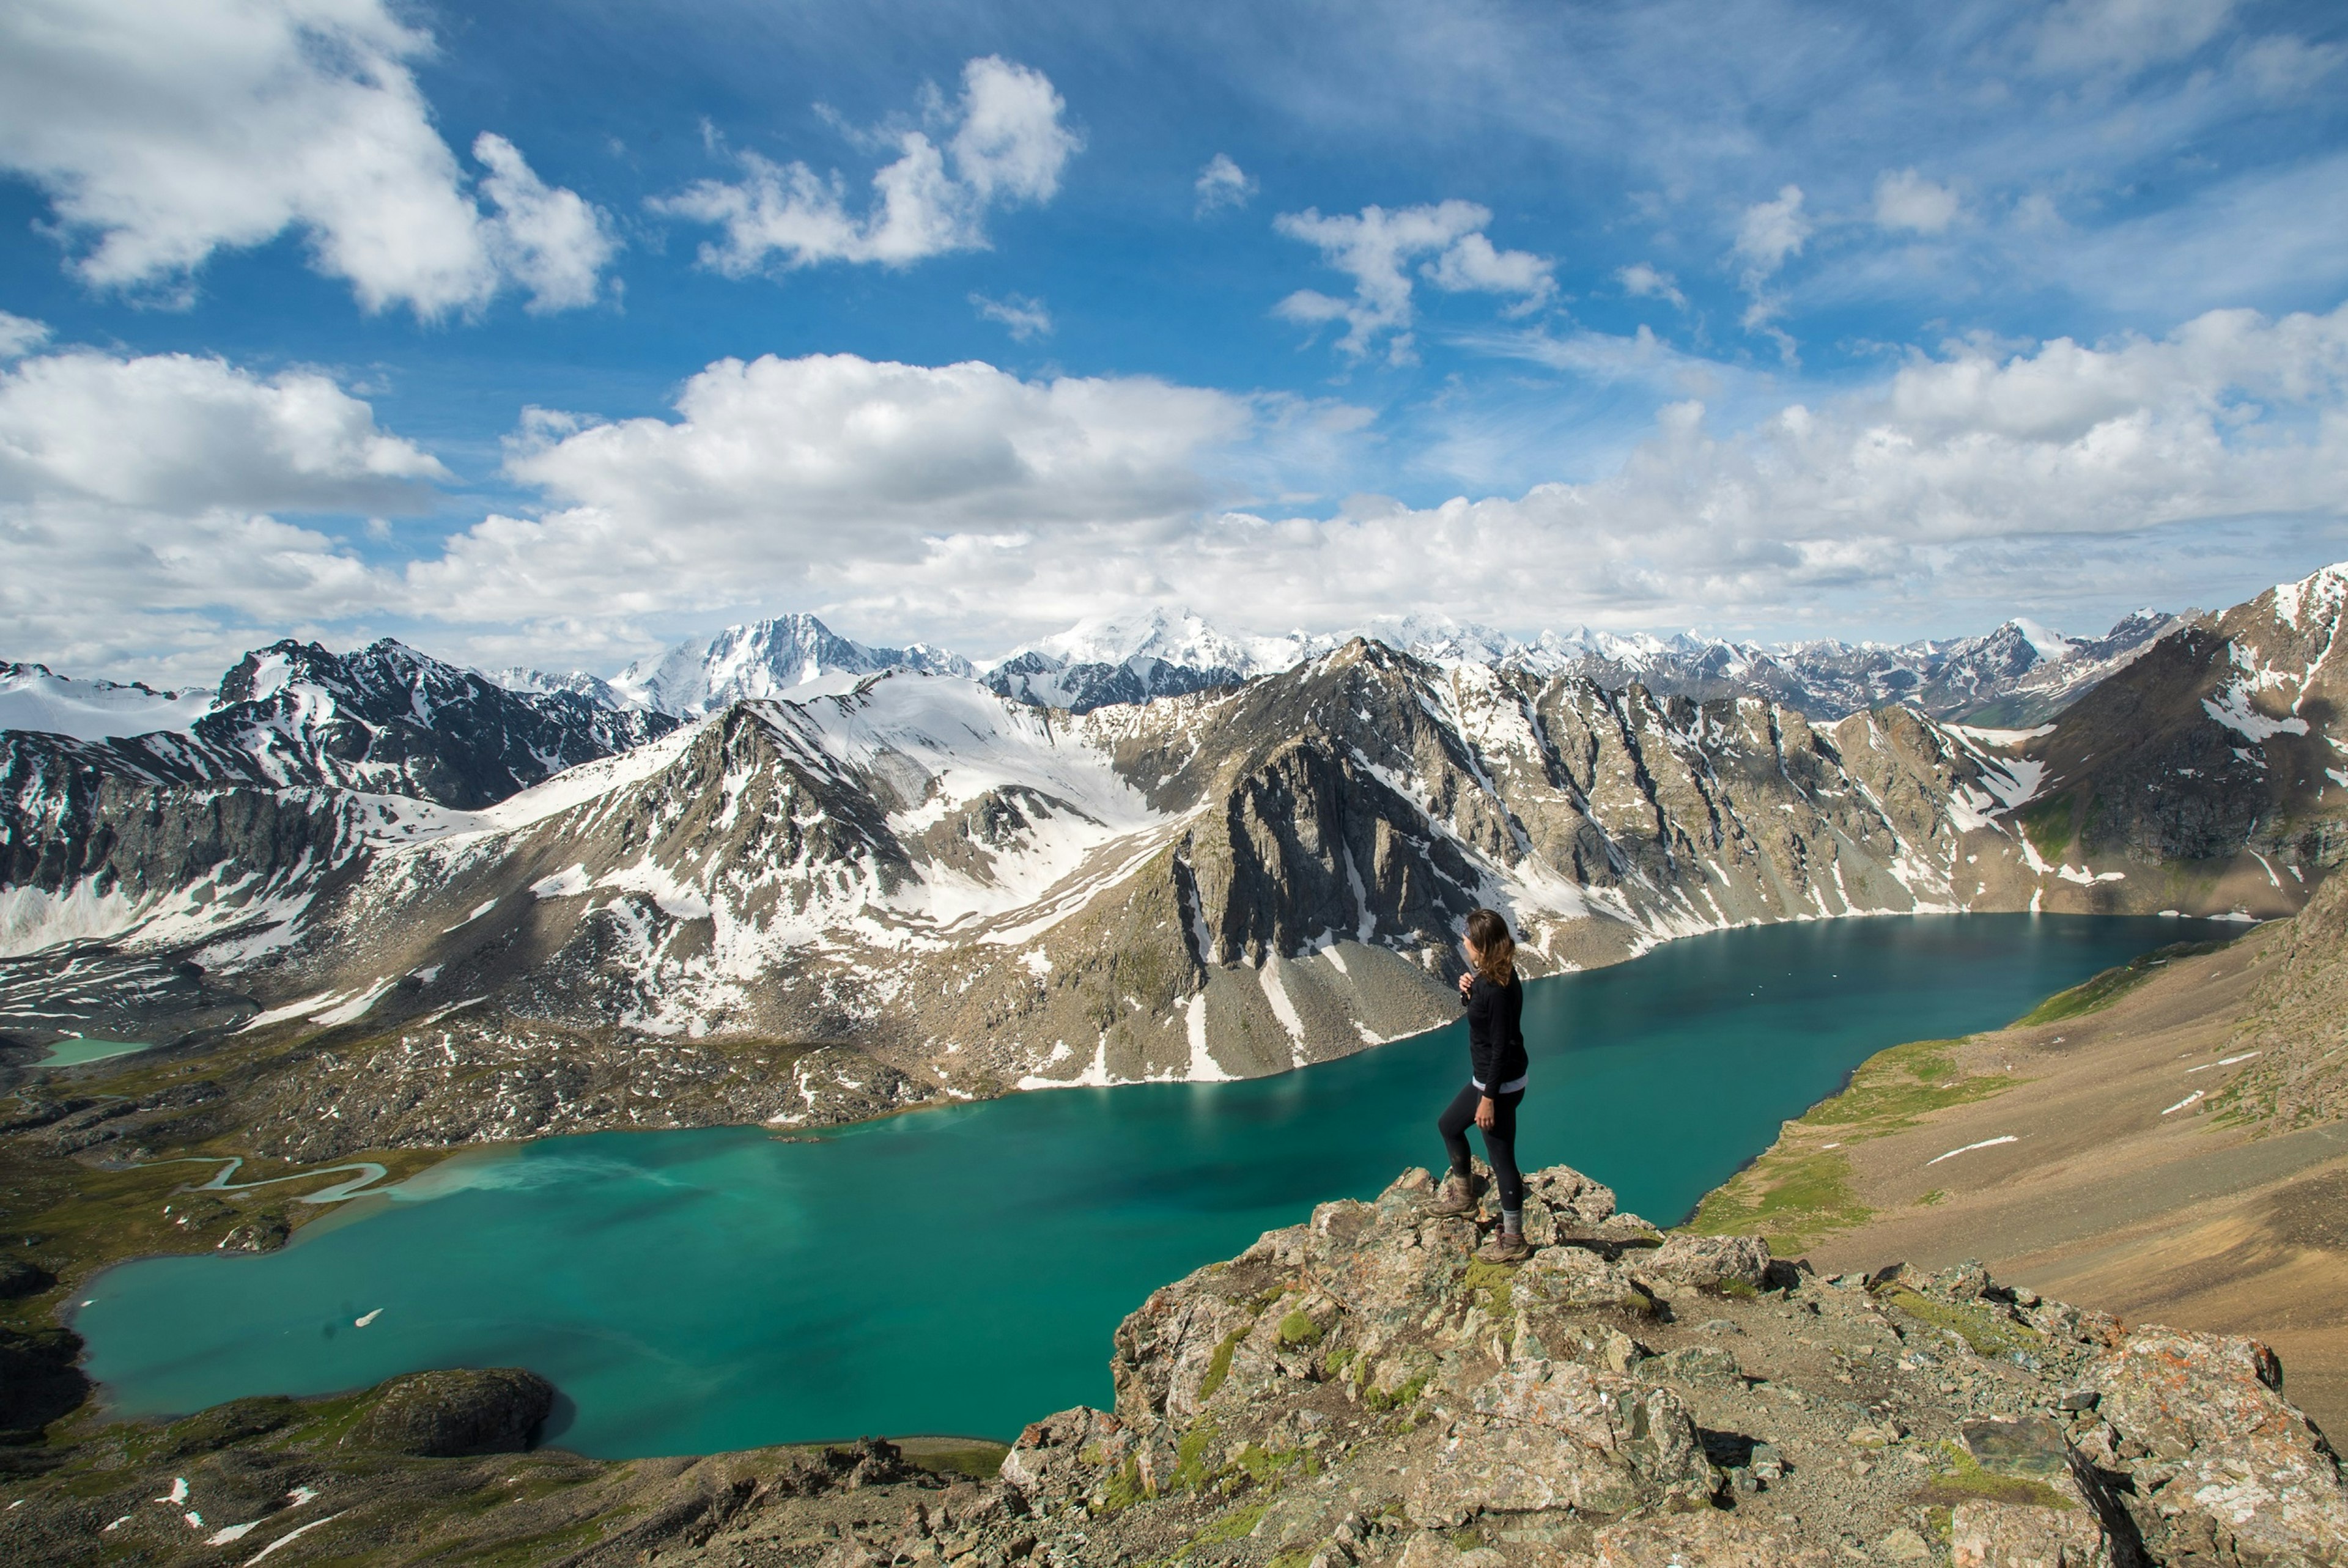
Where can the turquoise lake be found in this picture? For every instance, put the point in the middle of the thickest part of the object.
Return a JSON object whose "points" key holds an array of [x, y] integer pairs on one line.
{"points": [[962, 1270]]}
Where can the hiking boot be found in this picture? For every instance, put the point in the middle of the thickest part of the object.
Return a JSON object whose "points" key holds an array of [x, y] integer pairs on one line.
{"points": [[1505, 1246], [1456, 1196]]}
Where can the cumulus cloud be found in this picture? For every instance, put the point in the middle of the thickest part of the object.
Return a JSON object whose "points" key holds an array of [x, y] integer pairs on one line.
{"points": [[973, 506], [1377, 247], [1021, 316], [177, 431], [774, 467], [135, 502], [1642, 281], [1906, 199], [164, 130], [1222, 183], [1008, 146]]}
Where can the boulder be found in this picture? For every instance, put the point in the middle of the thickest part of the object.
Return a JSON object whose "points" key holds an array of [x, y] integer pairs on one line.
{"points": [[1558, 1435], [2233, 1466], [1711, 1262], [1065, 1455], [1572, 1278], [458, 1412]]}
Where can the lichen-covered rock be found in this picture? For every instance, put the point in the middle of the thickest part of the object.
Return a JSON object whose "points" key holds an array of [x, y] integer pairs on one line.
{"points": [[2026, 1536], [1713, 1262], [445, 1414], [1572, 1278], [1063, 1455], [2235, 1472], [1557, 1435]]}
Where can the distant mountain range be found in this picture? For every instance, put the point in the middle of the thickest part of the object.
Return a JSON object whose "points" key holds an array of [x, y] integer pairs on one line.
{"points": [[483, 901], [2014, 676]]}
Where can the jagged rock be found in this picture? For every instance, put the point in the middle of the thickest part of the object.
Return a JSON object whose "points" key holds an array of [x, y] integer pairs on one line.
{"points": [[1544, 1435], [2234, 1467], [1713, 1262], [441, 1415]]}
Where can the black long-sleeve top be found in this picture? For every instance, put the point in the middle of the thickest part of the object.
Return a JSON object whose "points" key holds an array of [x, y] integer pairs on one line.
{"points": [[1496, 1035]]}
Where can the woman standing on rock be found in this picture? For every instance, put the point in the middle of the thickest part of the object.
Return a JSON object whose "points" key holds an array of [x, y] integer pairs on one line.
{"points": [[1495, 998]]}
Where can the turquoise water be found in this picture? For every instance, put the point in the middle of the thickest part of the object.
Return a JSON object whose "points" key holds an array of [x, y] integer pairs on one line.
{"points": [[960, 1270], [75, 1052]]}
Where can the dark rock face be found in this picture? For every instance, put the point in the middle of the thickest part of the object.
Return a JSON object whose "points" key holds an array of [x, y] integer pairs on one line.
{"points": [[38, 1380], [1081, 688], [19, 1278], [445, 1415], [389, 720]]}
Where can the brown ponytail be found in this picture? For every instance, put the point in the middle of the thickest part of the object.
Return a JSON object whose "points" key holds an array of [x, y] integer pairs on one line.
{"points": [[1490, 933]]}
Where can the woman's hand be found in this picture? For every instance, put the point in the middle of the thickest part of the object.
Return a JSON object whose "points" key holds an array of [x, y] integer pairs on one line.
{"points": [[1485, 1116], [1466, 981]]}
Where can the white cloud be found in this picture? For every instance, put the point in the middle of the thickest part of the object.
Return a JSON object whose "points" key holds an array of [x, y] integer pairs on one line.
{"points": [[1222, 183], [1021, 316], [1768, 232], [776, 467], [1642, 281], [971, 506], [1376, 247], [1906, 199], [1008, 146], [163, 130], [548, 239], [172, 432], [134, 509], [19, 335], [2128, 35]]}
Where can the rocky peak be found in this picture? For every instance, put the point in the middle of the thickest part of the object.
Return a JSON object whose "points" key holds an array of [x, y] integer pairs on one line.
{"points": [[1361, 1388]]}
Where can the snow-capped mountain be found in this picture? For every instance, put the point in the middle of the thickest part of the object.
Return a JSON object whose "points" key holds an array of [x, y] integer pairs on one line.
{"points": [[1232, 882], [1138, 658], [791, 655], [32, 698], [2016, 675], [383, 719]]}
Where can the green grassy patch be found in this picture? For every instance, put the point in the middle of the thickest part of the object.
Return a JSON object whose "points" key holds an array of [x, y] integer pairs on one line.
{"points": [[1497, 1278], [1800, 1189], [1989, 1333], [2050, 822], [2099, 992], [1964, 1480], [1298, 1328]]}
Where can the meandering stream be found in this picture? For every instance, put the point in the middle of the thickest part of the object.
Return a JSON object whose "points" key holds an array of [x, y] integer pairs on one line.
{"points": [[962, 1269]]}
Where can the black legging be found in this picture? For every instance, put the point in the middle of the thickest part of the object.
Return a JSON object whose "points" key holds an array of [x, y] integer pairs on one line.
{"points": [[1499, 1140]]}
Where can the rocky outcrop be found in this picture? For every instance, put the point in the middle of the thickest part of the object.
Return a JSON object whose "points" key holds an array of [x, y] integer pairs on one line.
{"points": [[448, 1415], [1360, 1389]]}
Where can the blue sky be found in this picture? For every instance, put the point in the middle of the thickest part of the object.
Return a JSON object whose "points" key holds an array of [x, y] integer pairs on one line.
{"points": [[552, 333]]}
